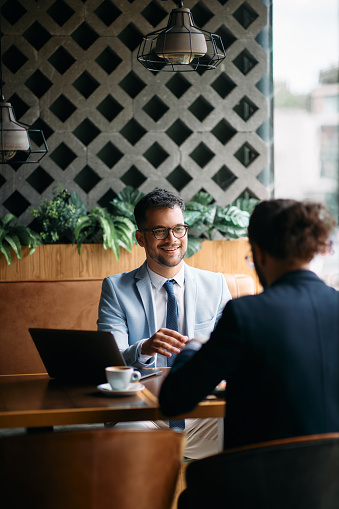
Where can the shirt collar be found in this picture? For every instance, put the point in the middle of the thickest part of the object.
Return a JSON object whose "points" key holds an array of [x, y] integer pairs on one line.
{"points": [[158, 281]]}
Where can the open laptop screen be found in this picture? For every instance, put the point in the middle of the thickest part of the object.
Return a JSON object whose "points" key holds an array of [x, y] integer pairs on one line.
{"points": [[77, 355]]}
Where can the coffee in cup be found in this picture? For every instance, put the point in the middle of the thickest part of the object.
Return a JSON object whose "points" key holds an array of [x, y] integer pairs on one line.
{"points": [[119, 377]]}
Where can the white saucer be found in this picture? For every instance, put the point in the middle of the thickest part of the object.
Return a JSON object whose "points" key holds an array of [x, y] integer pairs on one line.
{"points": [[130, 391]]}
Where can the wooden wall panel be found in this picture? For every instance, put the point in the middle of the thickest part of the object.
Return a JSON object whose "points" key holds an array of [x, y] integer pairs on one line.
{"points": [[63, 261], [69, 262], [49, 266]]}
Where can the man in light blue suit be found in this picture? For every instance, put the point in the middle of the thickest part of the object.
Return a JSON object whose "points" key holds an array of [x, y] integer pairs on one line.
{"points": [[133, 305], [127, 309]]}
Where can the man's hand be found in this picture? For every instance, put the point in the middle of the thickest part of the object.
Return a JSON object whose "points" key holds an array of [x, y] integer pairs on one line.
{"points": [[165, 342]]}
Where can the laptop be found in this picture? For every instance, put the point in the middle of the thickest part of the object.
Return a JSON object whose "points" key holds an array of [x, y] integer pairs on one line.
{"points": [[78, 355]]}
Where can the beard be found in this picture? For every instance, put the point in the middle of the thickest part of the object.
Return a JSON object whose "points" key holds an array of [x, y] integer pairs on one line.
{"points": [[262, 278], [166, 263], [162, 259], [259, 272]]}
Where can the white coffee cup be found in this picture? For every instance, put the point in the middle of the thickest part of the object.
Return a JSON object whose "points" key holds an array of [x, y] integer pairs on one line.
{"points": [[119, 377]]}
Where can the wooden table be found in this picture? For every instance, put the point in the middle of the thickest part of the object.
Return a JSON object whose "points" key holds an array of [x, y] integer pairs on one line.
{"points": [[29, 401]]}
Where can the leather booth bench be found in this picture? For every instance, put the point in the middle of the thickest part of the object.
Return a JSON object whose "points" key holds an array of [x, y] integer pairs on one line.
{"points": [[58, 304]]}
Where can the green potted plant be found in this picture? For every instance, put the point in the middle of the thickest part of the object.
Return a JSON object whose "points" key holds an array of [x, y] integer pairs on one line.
{"points": [[13, 237], [125, 203], [114, 229], [64, 219], [208, 220], [58, 217]]}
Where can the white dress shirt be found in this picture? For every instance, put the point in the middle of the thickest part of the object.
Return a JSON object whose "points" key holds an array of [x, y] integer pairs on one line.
{"points": [[159, 296]]}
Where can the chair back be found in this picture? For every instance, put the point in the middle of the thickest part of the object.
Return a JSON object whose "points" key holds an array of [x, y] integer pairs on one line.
{"points": [[90, 469], [297, 473]]}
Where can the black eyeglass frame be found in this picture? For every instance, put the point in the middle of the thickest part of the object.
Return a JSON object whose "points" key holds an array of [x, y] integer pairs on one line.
{"points": [[153, 230]]}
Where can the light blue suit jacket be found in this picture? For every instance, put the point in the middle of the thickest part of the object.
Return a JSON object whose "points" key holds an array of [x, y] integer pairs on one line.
{"points": [[126, 308]]}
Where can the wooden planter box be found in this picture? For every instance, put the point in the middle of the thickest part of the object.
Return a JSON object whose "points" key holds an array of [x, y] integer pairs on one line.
{"points": [[62, 261]]}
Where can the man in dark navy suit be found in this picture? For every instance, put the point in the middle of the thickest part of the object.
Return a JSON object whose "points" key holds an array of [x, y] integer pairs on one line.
{"points": [[278, 350]]}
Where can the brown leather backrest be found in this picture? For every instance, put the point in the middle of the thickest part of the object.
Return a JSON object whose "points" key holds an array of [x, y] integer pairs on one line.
{"points": [[58, 304], [240, 284], [91, 469], [69, 304]]}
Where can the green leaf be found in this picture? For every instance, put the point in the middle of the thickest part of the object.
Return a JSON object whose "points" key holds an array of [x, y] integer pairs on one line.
{"points": [[83, 229], [82, 222], [14, 237], [5, 250], [25, 235], [109, 234], [7, 219], [59, 216], [195, 205], [124, 209], [130, 195], [193, 246], [201, 197], [125, 230], [126, 201], [246, 202], [237, 216], [191, 216], [206, 219], [14, 242], [108, 231]]}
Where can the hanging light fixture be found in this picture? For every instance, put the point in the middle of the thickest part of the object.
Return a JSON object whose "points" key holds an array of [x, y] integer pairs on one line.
{"points": [[181, 46], [15, 141]]}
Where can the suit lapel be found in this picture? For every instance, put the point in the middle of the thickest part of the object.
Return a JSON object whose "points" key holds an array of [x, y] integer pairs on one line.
{"points": [[190, 301], [143, 284]]}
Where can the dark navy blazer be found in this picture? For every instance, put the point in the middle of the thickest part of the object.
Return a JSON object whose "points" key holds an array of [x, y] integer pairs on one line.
{"points": [[279, 352]]}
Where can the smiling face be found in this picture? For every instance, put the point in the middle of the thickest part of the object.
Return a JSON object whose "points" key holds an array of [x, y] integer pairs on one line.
{"points": [[165, 257]]}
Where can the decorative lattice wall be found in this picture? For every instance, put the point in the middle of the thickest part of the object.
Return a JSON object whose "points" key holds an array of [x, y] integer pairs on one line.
{"points": [[70, 69]]}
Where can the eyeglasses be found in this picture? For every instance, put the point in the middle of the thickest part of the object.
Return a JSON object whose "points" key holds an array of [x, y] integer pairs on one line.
{"points": [[329, 248], [178, 231], [250, 261]]}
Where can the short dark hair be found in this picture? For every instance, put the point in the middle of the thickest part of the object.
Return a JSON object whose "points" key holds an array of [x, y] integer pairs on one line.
{"points": [[156, 199], [290, 229]]}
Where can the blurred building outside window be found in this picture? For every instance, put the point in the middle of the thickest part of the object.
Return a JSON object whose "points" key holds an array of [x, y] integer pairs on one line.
{"points": [[306, 110]]}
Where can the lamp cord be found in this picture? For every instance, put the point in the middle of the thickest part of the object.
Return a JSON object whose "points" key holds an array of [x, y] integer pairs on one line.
{"points": [[180, 3], [1, 81]]}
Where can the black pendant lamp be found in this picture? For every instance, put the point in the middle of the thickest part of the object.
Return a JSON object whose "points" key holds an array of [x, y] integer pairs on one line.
{"points": [[15, 141], [181, 46]]}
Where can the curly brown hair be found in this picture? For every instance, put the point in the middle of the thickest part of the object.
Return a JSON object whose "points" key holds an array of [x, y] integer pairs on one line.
{"points": [[290, 229]]}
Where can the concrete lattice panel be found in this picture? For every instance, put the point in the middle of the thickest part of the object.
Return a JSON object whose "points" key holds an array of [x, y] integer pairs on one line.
{"points": [[70, 69]]}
